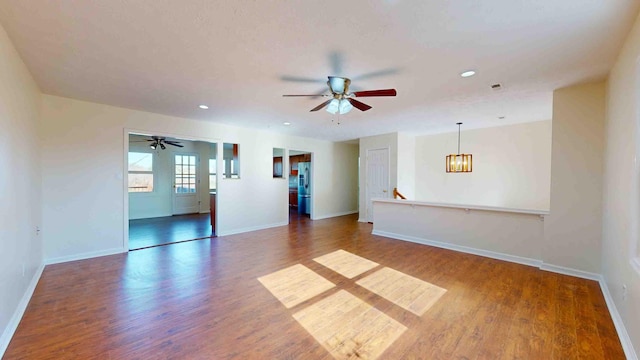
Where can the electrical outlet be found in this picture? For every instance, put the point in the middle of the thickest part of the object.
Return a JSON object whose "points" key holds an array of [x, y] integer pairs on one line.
{"points": [[37, 230], [624, 291]]}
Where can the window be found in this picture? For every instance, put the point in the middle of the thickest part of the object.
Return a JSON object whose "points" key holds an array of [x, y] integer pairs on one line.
{"points": [[140, 172], [185, 179], [212, 174]]}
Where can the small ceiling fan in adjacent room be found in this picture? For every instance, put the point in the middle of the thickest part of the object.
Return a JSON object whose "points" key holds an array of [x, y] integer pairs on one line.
{"points": [[161, 142], [342, 100]]}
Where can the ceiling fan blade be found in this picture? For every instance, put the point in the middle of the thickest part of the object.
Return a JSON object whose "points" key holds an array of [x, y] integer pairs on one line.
{"points": [[316, 95], [321, 105], [173, 144], [383, 72], [300, 79], [360, 105], [383, 92]]}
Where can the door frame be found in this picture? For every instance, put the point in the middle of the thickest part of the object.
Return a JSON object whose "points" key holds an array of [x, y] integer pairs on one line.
{"points": [[125, 170], [367, 199]]}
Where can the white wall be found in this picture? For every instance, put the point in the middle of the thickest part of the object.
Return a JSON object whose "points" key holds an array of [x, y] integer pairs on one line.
{"points": [[407, 165], [160, 202], [511, 167], [621, 183], [84, 191], [573, 230], [20, 208]]}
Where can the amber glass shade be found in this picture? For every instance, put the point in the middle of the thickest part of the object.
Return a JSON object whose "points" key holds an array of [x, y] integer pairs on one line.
{"points": [[459, 163]]}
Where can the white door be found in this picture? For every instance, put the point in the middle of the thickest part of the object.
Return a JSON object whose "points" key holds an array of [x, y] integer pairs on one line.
{"points": [[377, 177], [185, 184]]}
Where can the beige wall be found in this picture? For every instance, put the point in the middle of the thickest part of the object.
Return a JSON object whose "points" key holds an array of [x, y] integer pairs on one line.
{"points": [[574, 227], [20, 208], [511, 167], [84, 192], [503, 235], [621, 183], [407, 165]]}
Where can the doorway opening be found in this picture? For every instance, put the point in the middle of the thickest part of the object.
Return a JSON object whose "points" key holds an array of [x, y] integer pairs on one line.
{"points": [[171, 186], [301, 187]]}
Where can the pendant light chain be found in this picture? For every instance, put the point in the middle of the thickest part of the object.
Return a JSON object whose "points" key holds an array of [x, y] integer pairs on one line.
{"points": [[459, 137]]}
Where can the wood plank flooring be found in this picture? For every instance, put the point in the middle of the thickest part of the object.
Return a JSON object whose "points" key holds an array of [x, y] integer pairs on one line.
{"points": [[202, 300], [144, 233]]}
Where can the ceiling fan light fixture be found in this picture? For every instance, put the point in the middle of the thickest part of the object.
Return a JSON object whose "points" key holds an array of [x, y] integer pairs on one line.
{"points": [[162, 146], [334, 106], [337, 84], [345, 106], [153, 145]]}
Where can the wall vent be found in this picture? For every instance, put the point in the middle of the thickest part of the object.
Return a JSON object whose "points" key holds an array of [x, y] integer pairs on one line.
{"points": [[496, 87]]}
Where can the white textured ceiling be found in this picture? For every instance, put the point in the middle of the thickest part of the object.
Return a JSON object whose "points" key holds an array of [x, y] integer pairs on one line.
{"points": [[240, 56]]}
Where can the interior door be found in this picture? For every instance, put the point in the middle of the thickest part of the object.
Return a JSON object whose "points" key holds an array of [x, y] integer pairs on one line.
{"points": [[185, 184], [377, 177]]}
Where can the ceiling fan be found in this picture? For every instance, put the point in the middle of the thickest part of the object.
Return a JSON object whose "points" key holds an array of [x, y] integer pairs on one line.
{"points": [[161, 141], [342, 100]]}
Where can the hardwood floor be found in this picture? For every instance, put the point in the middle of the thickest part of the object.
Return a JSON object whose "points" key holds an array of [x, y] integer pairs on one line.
{"points": [[202, 300], [145, 233]]}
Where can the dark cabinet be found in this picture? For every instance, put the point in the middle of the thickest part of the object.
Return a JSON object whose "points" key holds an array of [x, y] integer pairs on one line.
{"points": [[293, 197], [294, 160], [277, 166]]}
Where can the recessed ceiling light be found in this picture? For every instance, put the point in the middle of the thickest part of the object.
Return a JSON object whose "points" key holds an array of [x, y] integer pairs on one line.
{"points": [[286, 123], [468, 73], [205, 107]]}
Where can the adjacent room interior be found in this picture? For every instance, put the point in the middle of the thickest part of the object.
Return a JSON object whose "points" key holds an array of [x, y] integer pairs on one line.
{"points": [[330, 180]]}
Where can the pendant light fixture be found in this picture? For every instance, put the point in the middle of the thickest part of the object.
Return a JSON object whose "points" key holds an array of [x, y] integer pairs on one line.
{"points": [[458, 162]]}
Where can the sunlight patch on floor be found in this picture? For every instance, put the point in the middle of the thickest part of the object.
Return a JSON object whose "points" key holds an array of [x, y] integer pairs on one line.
{"points": [[348, 327], [295, 284], [403, 290], [345, 263]]}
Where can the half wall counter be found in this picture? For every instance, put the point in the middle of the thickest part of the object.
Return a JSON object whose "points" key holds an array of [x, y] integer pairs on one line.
{"points": [[508, 234]]}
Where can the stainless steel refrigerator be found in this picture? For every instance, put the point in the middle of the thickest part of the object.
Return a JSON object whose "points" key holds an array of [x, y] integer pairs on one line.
{"points": [[304, 187]]}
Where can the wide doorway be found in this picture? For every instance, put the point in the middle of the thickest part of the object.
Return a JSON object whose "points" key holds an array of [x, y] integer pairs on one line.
{"points": [[171, 189]]}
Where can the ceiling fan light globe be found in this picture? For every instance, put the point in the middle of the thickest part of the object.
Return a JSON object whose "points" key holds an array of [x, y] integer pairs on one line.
{"points": [[162, 146], [345, 106], [334, 106]]}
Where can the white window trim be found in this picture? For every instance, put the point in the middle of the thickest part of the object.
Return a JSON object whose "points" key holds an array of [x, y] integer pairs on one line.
{"points": [[152, 172]]}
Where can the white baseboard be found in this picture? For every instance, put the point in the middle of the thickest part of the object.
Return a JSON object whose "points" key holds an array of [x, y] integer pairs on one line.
{"points": [[83, 256], [460, 248], [335, 215], [249, 229], [625, 340], [571, 272], [12, 326]]}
